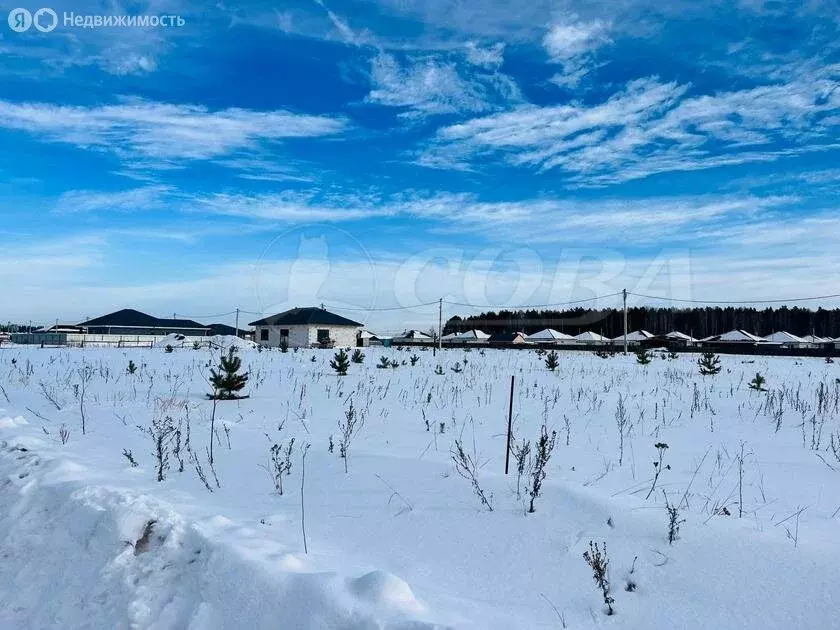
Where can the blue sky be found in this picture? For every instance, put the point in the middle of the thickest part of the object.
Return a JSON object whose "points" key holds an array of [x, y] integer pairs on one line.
{"points": [[387, 153]]}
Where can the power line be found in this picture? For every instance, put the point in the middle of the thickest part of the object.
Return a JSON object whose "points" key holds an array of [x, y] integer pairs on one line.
{"points": [[391, 308], [523, 306], [776, 301], [209, 316]]}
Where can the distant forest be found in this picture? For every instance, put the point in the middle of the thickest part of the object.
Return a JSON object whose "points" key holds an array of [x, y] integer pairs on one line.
{"points": [[697, 322]]}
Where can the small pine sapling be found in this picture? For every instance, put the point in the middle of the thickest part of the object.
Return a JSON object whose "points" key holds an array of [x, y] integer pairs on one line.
{"points": [[544, 447], [384, 362], [132, 368], [169, 348], [227, 381], [599, 563], [439, 370], [196, 345], [551, 361], [757, 383], [709, 364], [340, 363], [284, 343], [414, 359], [643, 357], [358, 356], [457, 368]]}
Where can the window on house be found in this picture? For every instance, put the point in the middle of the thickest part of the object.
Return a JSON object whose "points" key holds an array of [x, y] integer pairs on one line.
{"points": [[264, 334], [323, 335], [284, 332]]}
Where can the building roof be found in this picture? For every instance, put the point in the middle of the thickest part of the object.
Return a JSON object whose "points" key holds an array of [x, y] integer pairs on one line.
{"points": [[675, 334], [815, 339], [735, 335], [590, 336], [636, 335], [473, 334], [549, 334], [784, 337], [129, 318], [413, 334], [307, 316]]}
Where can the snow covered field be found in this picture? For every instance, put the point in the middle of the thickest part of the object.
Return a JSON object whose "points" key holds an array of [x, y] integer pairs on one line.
{"points": [[401, 540]]}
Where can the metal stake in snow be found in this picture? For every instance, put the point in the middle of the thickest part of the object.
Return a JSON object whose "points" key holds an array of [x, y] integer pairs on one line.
{"points": [[624, 295], [237, 322], [510, 420]]}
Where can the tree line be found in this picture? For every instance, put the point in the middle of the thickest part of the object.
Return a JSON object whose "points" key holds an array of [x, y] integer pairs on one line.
{"points": [[697, 322]]}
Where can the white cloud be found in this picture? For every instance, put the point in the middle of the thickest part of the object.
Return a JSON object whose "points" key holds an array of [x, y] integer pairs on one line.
{"points": [[485, 56], [147, 198], [160, 132], [651, 127], [424, 87], [572, 44]]}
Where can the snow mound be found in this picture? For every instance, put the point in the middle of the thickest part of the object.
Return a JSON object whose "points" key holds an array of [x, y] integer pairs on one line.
{"points": [[10, 423], [385, 590], [214, 342]]}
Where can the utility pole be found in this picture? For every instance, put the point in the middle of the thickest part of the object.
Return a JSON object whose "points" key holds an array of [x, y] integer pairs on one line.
{"points": [[440, 323], [237, 322], [624, 296]]}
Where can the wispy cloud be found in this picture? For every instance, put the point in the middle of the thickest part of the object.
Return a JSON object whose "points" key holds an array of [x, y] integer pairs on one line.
{"points": [[572, 43], [431, 84], [159, 132], [79, 201], [653, 127]]}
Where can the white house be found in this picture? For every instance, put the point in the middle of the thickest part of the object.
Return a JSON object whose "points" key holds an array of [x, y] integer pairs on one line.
{"points": [[591, 337], [472, 336], [680, 336], [305, 328], [785, 338], [734, 336], [815, 339], [635, 337], [549, 335], [411, 335]]}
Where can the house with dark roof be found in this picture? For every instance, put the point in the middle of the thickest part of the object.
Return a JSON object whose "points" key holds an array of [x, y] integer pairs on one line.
{"points": [[130, 322], [306, 328]]}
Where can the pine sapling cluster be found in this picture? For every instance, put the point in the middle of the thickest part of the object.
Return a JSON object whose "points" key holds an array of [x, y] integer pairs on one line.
{"points": [[544, 447], [599, 563]]}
